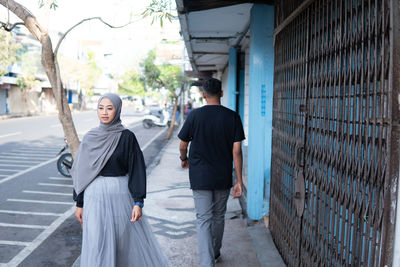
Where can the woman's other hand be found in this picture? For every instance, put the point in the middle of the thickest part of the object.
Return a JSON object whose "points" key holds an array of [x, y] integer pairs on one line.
{"points": [[136, 213], [79, 214]]}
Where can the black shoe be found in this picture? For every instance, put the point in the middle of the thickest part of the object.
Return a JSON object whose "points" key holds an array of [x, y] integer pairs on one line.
{"points": [[217, 257]]}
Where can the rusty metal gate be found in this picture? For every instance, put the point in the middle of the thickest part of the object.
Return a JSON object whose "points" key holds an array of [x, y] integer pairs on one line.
{"points": [[335, 134]]}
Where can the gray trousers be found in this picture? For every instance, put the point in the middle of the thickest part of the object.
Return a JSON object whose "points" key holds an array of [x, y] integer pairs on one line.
{"points": [[210, 207]]}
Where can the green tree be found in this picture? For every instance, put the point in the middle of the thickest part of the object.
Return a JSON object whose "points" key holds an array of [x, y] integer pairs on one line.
{"points": [[131, 84], [49, 58], [165, 76], [8, 51], [86, 72], [159, 10], [90, 72]]}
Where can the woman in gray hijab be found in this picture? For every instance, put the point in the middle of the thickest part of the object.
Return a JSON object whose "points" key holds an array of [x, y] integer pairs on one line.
{"points": [[109, 178]]}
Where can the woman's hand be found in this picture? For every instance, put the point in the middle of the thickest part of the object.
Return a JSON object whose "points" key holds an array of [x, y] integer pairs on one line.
{"points": [[79, 214], [136, 213]]}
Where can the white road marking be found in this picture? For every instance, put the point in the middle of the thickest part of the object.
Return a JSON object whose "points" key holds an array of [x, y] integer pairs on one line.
{"points": [[45, 193], [14, 165], [38, 149], [30, 226], [20, 160], [152, 139], [60, 185], [20, 157], [27, 170], [60, 179], [39, 240], [30, 213], [31, 153], [40, 201], [14, 243], [177, 227], [3, 175], [7, 170], [11, 134]]}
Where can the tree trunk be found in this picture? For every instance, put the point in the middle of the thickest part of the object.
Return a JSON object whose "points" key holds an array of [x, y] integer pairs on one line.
{"points": [[50, 64], [171, 127]]}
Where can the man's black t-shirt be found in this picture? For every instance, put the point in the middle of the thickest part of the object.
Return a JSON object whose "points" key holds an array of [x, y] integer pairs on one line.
{"points": [[212, 130]]}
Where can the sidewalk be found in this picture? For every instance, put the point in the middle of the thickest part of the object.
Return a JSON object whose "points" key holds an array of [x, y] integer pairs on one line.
{"points": [[169, 208]]}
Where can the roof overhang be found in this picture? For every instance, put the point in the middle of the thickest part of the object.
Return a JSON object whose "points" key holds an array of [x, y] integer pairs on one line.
{"points": [[211, 28], [200, 5]]}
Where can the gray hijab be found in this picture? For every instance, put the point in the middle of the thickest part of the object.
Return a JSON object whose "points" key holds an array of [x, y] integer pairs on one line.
{"points": [[97, 147]]}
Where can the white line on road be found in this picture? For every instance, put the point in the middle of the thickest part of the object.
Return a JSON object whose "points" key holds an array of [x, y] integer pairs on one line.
{"points": [[152, 139], [11, 134], [45, 193], [31, 153], [30, 213], [61, 185], [14, 165], [14, 243], [37, 149], [3, 175], [40, 201], [39, 240], [19, 157], [20, 160], [30, 226], [60, 179], [7, 170], [27, 170]]}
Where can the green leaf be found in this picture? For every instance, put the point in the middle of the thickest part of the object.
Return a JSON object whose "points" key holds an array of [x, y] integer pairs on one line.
{"points": [[53, 6], [41, 3]]}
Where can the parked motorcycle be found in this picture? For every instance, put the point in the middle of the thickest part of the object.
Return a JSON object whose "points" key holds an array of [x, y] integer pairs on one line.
{"points": [[159, 118], [64, 162]]}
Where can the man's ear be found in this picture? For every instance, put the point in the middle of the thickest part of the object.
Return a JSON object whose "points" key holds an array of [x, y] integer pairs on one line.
{"points": [[204, 94], [222, 93]]}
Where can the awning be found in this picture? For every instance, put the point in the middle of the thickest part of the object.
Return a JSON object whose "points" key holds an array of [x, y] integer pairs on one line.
{"points": [[210, 28]]}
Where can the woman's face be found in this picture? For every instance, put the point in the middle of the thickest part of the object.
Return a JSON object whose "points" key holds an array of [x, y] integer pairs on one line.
{"points": [[106, 111]]}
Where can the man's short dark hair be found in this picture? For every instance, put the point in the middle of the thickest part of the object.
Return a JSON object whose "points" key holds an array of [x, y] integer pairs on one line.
{"points": [[212, 87]]}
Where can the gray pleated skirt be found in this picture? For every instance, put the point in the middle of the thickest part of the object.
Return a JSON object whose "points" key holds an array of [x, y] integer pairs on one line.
{"points": [[109, 238]]}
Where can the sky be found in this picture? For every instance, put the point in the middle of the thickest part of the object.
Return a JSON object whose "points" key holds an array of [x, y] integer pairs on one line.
{"points": [[126, 46]]}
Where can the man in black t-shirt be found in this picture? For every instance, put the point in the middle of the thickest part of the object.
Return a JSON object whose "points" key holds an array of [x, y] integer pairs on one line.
{"points": [[215, 133]]}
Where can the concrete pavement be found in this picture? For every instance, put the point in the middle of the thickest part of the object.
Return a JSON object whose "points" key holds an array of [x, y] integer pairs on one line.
{"points": [[169, 208]]}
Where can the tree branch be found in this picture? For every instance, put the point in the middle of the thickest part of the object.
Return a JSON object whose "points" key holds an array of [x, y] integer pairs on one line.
{"points": [[82, 21], [26, 16], [161, 82], [9, 28]]}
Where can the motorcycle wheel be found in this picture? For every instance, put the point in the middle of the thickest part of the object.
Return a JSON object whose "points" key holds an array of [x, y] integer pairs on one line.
{"points": [[64, 164], [147, 124]]}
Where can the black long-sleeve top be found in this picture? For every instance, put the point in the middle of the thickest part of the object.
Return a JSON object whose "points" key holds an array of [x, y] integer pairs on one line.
{"points": [[126, 159]]}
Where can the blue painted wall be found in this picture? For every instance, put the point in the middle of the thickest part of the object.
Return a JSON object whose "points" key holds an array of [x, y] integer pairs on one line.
{"points": [[232, 79], [241, 94], [260, 110]]}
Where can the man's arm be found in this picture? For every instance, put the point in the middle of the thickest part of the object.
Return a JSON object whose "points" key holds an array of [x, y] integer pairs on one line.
{"points": [[183, 150], [238, 161]]}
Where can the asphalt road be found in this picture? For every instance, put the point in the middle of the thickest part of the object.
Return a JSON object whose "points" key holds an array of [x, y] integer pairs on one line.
{"points": [[37, 224]]}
